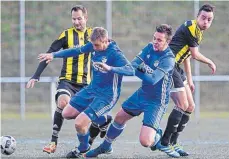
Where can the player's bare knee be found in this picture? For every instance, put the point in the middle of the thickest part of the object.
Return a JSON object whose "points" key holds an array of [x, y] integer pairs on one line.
{"points": [[62, 103], [182, 104], [79, 125], [191, 108], [146, 142]]}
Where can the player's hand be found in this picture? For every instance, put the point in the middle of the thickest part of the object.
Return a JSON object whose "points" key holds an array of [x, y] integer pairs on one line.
{"points": [[141, 68], [102, 66], [191, 86], [31, 83], [45, 57], [212, 66]]}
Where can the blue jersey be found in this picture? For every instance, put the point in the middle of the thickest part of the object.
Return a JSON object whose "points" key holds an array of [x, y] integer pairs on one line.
{"points": [[157, 77], [106, 83]]}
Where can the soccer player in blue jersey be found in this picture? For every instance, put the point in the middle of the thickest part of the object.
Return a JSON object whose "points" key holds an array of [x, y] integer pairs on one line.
{"points": [[185, 44], [154, 66], [75, 74], [100, 96]]}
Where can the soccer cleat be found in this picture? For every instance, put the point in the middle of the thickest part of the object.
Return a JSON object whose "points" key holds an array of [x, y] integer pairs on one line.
{"points": [[103, 128], [157, 139], [180, 150], [50, 148], [98, 151], [169, 150], [75, 153]]}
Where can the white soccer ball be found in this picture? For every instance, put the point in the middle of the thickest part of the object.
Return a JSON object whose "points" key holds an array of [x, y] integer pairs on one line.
{"points": [[8, 145]]}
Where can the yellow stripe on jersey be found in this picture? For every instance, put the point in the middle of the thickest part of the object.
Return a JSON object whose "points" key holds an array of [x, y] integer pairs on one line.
{"points": [[195, 31], [89, 31], [89, 69], [192, 29], [181, 53], [80, 58], [70, 59], [61, 35]]}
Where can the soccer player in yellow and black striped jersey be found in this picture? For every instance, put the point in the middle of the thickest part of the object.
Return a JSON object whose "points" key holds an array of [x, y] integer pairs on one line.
{"points": [[75, 73], [184, 45]]}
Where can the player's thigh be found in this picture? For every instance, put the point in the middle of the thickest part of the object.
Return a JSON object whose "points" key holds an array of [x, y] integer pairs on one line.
{"points": [[153, 113], [65, 90], [132, 105], [122, 117], [178, 92], [99, 107], [69, 112], [82, 99], [191, 103], [147, 136]]}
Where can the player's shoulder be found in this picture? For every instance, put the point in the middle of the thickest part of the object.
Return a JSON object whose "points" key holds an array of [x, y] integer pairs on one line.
{"points": [[148, 47], [113, 46], [189, 23], [68, 29], [168, 54]]}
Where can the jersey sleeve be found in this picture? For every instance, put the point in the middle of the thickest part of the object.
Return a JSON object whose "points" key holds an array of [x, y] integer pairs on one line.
{"points": [[190, 39], [56, 45], [74, 52], [165, 66], [121, 65], [141, 57], [61, 42]]}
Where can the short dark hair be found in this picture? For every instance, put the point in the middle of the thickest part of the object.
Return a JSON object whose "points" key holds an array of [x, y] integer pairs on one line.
{"points": [[99, 33], [166, 29], [79, 7], [207, 8]]}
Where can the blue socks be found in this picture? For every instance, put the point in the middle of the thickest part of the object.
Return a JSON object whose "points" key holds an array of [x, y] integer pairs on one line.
{"points": [[113, 132], [84, 142]]}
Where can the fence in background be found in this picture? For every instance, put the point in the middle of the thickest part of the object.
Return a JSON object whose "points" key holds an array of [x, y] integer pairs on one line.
{"points": [[52, 81]]}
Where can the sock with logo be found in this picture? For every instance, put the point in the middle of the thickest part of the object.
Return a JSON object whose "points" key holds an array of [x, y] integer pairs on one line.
{"points": [[184, 120], [57, 124], [113, 132], [172, 125], [84, 142]]}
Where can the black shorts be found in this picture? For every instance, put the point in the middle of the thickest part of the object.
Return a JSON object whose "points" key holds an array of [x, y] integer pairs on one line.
{"points": [[68, 88], [179, 77]]}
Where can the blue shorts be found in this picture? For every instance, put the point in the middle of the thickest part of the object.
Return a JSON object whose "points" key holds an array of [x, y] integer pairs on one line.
{"points": [[153, 109], [93, 103]]}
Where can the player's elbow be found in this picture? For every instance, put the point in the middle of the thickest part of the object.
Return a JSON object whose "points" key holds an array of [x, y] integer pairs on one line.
{"points": [[195, 55]]}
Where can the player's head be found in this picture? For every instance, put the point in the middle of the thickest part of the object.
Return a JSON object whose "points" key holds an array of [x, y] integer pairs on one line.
{"points": [[205, 16], [162, 37], [99, 38], [79, 17]]}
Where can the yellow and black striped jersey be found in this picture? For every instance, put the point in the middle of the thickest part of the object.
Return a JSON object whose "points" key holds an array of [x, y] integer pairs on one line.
{"points": [[187, 35], [74, 69]]}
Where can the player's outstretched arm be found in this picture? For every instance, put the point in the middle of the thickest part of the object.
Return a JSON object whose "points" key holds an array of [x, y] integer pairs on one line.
{"points": [[126, 70], [154, 76], [200, 57], [55, 46]]}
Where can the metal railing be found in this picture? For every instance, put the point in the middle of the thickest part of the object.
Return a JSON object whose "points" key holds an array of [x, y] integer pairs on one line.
{"points": [[52, 81]]}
